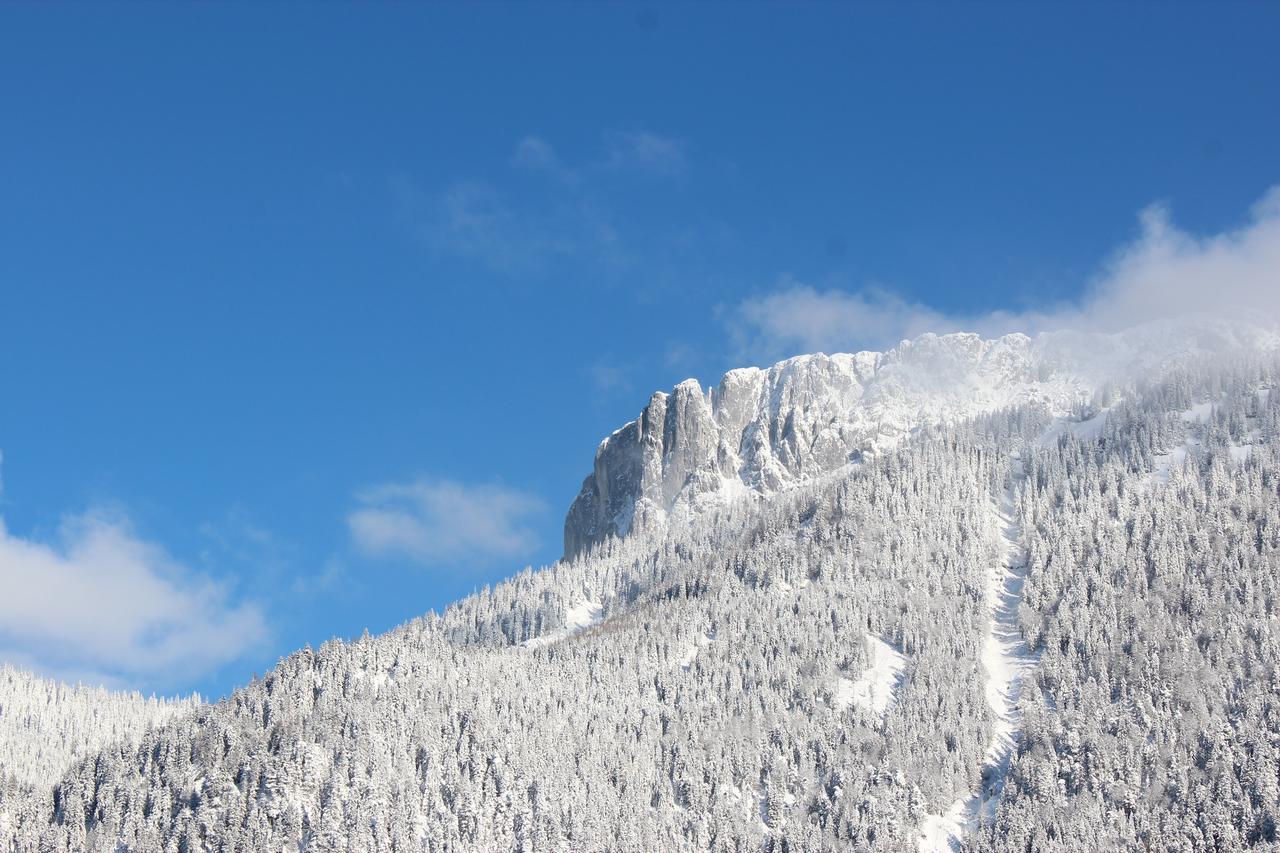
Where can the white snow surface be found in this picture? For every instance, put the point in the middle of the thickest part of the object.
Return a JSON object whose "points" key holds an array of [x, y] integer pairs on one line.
{"points": [[1196, 420], [874, 690], [1086, 429], [691, 651], [578, 618], [1008, 663]]}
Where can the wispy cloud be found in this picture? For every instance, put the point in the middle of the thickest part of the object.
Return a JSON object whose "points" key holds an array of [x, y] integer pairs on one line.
{"points": [[431, 521], [238, 541], [642, 150], [534, 152], [1165, 272], [509, 233], [548, 209], [638, 152], [797, 318], [608, 377], [100, 599]]}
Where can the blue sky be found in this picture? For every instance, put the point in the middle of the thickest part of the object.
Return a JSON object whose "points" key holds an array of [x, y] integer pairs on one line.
{"points": [[313, 315]]}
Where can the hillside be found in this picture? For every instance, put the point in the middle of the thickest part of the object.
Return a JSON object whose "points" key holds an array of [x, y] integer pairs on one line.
{"points": [[46, 725], [1042, 618]]}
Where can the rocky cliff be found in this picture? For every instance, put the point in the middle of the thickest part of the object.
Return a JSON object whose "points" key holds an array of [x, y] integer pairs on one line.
{"points": [[760, 430]]}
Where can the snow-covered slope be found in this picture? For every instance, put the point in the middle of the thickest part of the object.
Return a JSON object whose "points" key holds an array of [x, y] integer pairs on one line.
{"points": [[1010, 631], [46, 725], [761, 430], [1007, 664], [873, 690]]}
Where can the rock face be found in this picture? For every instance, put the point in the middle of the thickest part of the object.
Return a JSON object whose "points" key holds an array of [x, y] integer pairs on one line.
{"points": [[760, 430]]}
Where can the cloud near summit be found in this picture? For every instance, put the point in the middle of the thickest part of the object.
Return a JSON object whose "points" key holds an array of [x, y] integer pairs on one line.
{"points": [[1165, 273]]}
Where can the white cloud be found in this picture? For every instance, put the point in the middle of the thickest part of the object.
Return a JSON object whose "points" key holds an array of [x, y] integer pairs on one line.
{"points": [[796, 318], [1167, 272], [102, 600], [431, 521], [1164, 273]]}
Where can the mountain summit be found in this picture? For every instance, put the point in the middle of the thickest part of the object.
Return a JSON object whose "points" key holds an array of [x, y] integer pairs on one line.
{"points": [[761, 430]]}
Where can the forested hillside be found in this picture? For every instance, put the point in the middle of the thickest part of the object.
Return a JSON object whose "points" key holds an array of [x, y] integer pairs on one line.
{"points": [[1030, 629], [45, 725]]}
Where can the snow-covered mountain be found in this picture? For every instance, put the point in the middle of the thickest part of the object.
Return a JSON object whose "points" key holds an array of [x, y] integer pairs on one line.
{"points": [[1000, 595], [761, 430]]}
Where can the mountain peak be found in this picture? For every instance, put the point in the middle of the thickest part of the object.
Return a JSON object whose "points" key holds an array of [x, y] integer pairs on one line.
{"points": [[761, 429]]}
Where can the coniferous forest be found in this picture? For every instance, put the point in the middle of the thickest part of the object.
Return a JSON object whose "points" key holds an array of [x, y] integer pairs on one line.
{"points": [[807, 671]]}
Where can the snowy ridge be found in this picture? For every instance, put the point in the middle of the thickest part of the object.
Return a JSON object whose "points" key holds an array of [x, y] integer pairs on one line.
{"points": [[763, 430], [1008, 663]]}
